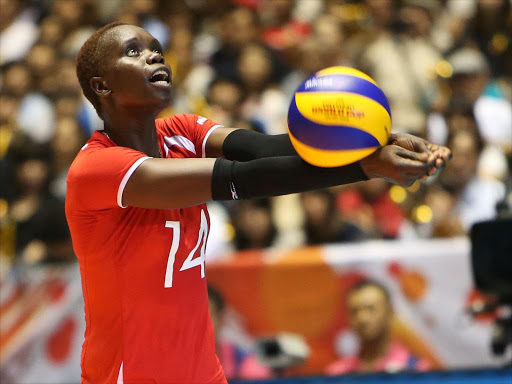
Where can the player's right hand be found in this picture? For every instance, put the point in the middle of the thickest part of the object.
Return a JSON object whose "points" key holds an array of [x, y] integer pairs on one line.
{"points": [[419, 145], [399, 165]]}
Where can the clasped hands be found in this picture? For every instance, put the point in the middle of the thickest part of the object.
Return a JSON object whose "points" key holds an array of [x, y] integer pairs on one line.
{"points": [[405, 159]]}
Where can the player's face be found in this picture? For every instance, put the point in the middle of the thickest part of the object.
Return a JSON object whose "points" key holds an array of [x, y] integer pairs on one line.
{"points": [[134, 69], [369, 313]]}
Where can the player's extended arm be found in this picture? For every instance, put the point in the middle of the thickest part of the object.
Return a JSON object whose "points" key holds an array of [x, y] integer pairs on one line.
{"points": [[179, 183], [244, 145]]}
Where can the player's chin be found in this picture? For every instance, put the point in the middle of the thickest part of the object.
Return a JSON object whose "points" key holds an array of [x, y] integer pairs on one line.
{"points": [[161, 94]]}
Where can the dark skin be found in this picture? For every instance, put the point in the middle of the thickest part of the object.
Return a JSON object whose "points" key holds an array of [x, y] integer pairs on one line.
{"points": [[131, 100]]}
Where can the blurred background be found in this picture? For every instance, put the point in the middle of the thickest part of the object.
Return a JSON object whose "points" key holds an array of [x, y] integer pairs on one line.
{"points": [[369, 277]]}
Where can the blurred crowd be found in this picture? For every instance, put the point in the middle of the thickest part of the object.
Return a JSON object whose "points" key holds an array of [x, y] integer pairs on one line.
{"points": [[445, 66]]}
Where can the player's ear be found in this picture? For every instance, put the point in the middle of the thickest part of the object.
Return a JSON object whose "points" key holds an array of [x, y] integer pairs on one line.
{"points": [[99, 86]]}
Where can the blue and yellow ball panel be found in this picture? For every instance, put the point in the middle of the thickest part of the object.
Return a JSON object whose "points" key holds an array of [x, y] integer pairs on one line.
{"points": [[340, 70], [350, 84], [329, 159], [338, 116], [322, 127]]}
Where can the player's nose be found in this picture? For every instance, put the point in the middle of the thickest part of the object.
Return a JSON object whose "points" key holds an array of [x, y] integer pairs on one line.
{"points": [[155, 58]]}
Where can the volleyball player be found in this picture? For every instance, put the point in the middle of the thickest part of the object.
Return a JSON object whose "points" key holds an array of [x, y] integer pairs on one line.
{"points": [[136, 209]]}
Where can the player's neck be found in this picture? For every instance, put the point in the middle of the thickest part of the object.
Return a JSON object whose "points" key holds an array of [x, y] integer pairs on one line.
{"points": [[134, 130]]}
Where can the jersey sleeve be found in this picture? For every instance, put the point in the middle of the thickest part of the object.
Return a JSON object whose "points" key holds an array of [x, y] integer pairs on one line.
{"points": [[192, 130], [98, 179]]}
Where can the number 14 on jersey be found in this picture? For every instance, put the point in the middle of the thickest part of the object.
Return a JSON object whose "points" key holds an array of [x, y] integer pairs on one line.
{"points": [[189, 262]]}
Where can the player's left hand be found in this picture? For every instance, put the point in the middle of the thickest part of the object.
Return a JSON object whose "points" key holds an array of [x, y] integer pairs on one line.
{"points": [[440, 153]]}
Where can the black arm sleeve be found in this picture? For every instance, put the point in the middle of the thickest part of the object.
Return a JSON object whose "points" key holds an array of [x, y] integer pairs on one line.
{"points": [[274, 176], [245, 145]]}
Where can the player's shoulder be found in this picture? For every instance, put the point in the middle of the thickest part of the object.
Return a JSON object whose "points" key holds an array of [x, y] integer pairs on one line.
{"points": [[98, 143], [176, 123]]}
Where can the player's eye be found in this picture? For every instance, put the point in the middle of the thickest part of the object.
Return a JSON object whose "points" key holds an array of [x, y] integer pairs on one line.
{"points": [[132, 52]]}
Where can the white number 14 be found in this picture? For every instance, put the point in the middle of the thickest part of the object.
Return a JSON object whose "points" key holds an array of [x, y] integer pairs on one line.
{"points": [[189, 262]]}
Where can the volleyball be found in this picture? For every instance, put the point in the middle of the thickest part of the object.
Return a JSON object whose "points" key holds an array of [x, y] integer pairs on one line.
{"points": [[338, 116]]}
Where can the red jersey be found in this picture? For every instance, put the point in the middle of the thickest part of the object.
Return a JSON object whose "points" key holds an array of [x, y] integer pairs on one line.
{"points": [[143, 270]]}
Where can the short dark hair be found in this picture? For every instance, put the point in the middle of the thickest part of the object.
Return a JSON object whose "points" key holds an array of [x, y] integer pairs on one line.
{"points": [[216, 297], [370, 283], [88, 62]]}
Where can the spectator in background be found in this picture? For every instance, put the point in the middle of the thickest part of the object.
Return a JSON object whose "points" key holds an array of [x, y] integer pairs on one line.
{"points": [[281, 30], [322, 223], [369, 206], [16, 79], [472, 83], [41, 232], [66, 77], [310, 59], [18, 30], [255, 68], [51, 31], [72, 14], [329, 31], [238, 28], [36, 117], [491, 161], [180, 55], [67, 104], [253, 224], [471, 97], [224, 98], [443, 205], [35, 113], [236, 362], [41, 60], [66, 143], [370, 313], [324, 47], [185, 55], [265, 103], [475, 196], [403, 63], [9, 102], [491, 29], [147, 11]]}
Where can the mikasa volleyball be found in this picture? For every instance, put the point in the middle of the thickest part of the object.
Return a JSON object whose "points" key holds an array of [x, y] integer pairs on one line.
{"points": [[338, 116]]}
